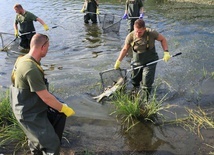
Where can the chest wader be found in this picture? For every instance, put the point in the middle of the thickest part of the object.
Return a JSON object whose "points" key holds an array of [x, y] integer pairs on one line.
{"points": [[133, 11], [144, 75], [39, 125], [26, 26], [91, 7]]}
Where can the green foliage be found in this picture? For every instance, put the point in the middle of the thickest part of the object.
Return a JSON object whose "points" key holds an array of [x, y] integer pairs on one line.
{"points": [[130, 109], [10, 130], [6, 116]]}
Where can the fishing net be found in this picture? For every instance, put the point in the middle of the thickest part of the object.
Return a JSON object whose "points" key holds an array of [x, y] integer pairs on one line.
{"points": [[110, 23], [111, 76], [5, 39]]}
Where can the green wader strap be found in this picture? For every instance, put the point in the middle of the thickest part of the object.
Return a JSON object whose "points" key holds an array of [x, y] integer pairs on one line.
{"points": [[147, 40]]}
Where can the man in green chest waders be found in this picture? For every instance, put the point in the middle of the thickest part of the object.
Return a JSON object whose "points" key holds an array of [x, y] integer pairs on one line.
{"points": [[142, 41], [41, 115], [26, 27], [133, 11], [90, 7]]}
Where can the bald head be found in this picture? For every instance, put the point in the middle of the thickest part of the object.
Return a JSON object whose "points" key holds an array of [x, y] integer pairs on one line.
{"points": [[39, 46], [38, 40]]}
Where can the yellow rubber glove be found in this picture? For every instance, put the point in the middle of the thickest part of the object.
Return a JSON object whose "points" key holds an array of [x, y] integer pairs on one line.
{"points": [[97, 11], [46, 27], [67, 110], [166, 56], [117, 64], [83, 10], [16, 33]]}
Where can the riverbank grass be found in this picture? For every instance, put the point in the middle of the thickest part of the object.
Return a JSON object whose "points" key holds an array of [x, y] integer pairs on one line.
{"points": [[10, 131]]}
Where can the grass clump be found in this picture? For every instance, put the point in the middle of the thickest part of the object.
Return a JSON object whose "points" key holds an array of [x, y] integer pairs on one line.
{"points": [[126, 108], [131, 109], [10, 130]]}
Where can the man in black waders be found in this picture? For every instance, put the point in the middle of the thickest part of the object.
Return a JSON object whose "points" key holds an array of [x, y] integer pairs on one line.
{"points": [[41, 115], [90, 7], [26, 27], [133, 11], [142, 42]]}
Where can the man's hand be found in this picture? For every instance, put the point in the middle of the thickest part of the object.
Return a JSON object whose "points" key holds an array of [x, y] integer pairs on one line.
{"points": [[97, 11], [141, 16], [166, 56], [16, 33], [83, 10], [125, 16], [117, 65], [46, 27], [67, 110]]}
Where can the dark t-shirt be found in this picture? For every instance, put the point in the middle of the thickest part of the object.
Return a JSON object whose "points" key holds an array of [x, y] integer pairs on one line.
{"points": [[133, 7], [28, 75], [26, 22]]}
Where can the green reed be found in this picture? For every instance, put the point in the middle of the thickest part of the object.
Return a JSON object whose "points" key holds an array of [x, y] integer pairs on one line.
{"points": [[131, 109], [10, 130]]}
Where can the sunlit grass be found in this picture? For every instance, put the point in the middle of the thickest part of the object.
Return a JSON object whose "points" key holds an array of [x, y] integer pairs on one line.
{"points": [[131, 109], [126, 109], [195, 121]]}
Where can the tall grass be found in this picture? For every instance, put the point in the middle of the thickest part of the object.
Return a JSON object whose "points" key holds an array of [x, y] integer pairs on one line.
{"points": [[132, 109], [10, 130]]}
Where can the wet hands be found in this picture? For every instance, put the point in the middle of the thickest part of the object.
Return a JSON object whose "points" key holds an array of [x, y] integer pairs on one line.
{"points": [[67, 110], [166, 56], [46, 27], [117, 64], [125, 16]]}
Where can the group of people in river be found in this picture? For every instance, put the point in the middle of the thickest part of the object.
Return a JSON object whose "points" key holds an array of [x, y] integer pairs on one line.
{"points": [[41, 115]]}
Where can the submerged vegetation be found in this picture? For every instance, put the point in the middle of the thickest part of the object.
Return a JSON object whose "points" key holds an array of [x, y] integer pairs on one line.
{"points": [[130, 110]]}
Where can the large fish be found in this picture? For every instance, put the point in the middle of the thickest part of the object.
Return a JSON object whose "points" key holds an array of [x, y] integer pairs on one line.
{"points": [[108, 92]]}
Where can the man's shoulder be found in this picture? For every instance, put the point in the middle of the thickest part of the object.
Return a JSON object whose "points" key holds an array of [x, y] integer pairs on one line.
{"points": [[26, 63], [30, 14]]}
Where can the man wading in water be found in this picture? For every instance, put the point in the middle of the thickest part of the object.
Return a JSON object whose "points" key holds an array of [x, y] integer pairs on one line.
{"points": [[142, 41]]}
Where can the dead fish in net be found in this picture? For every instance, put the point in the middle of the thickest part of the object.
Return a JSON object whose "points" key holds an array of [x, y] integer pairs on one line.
{"points": [[111, 90]]}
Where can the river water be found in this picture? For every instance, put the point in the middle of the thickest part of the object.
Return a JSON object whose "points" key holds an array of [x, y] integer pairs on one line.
{"points": [[73, 68]]}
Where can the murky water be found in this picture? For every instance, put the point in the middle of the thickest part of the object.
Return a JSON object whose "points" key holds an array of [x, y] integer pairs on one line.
{"points": [[72, 68]]}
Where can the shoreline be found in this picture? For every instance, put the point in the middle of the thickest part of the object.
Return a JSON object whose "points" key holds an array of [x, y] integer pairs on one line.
{"points": [[207, 2]]}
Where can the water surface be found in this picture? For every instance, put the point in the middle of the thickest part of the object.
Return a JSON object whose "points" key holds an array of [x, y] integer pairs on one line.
{"points": [[73, 68]]}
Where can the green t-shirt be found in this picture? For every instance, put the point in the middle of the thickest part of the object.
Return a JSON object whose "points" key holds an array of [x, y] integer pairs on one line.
{"points": [[26, 21], [140, 44], [133, 7], [28, 75]]}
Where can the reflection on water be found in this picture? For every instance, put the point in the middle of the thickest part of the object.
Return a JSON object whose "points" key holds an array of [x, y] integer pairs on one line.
{"points": [[78, 52], [93, 35]]}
